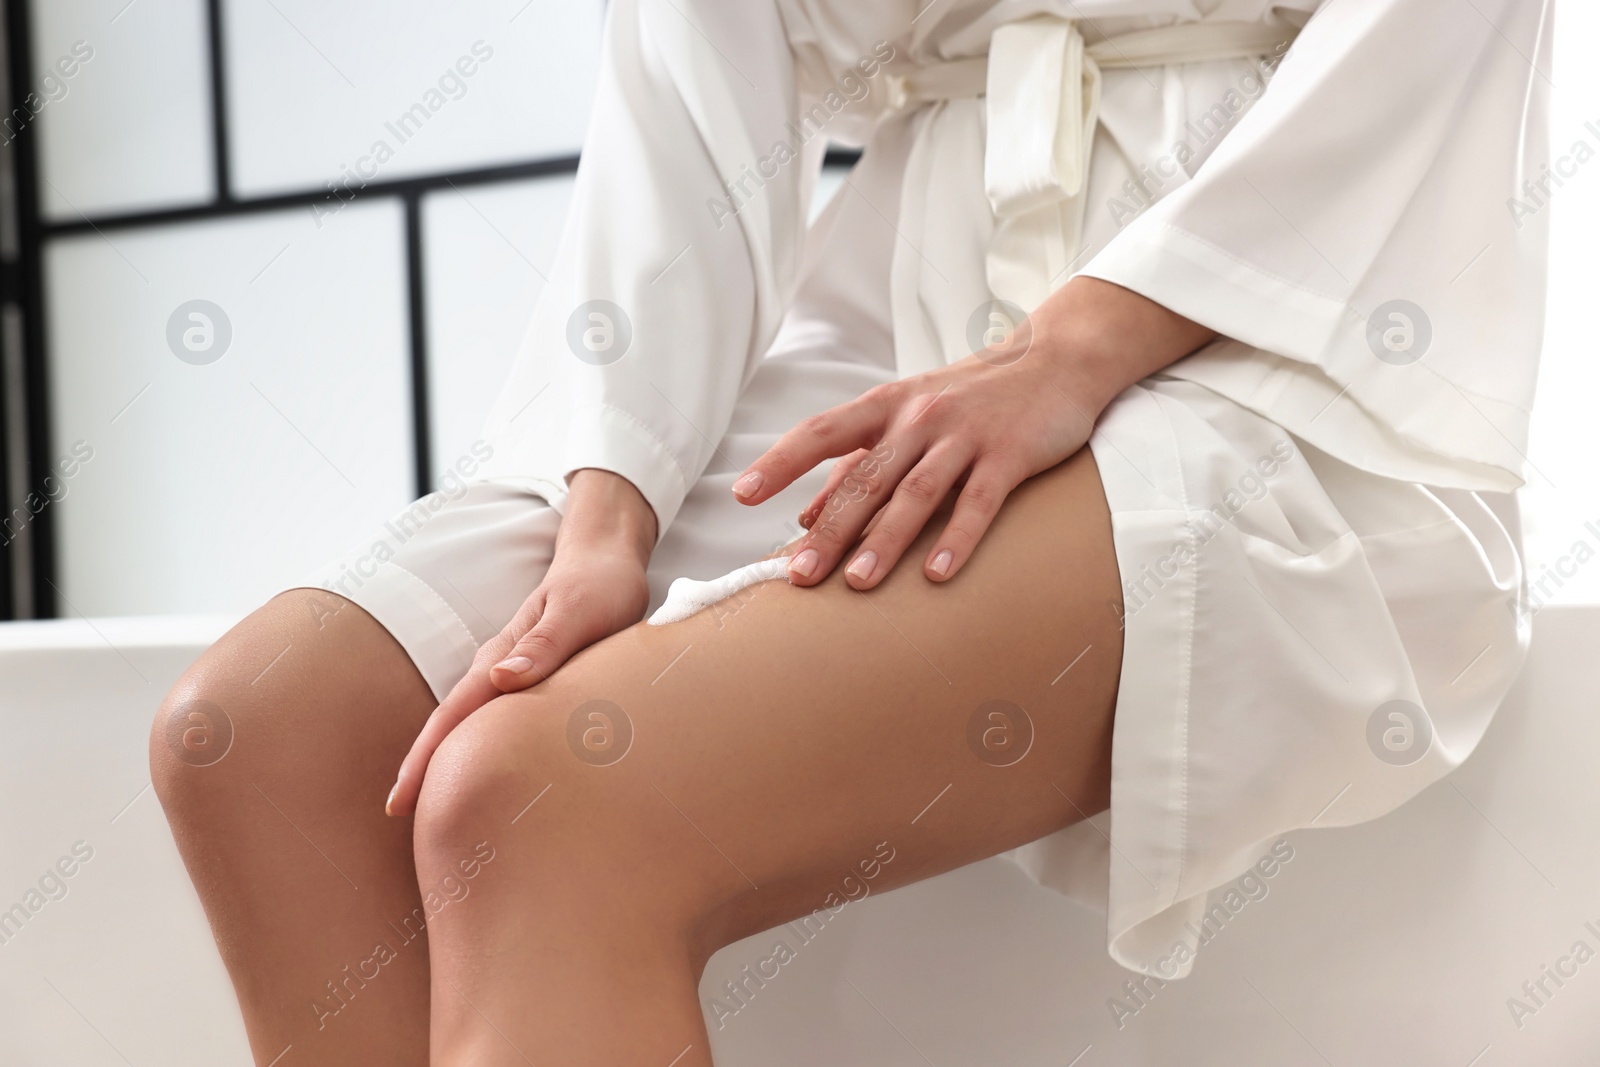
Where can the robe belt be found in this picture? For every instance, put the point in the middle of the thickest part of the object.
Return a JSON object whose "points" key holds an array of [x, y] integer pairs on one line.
{"points": [[1042, 88]]}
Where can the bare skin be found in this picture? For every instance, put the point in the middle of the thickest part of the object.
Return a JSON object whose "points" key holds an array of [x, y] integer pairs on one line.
{"points": [[774, 747], [797, 734], [981, 426], [271, 832], [791, 738]]}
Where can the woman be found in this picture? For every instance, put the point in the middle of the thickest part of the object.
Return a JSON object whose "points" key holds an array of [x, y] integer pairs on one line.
{"points": [[1296, 327]]}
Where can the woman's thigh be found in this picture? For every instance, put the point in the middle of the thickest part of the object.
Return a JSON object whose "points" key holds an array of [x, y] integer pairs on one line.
{"points": [[746, 760]]}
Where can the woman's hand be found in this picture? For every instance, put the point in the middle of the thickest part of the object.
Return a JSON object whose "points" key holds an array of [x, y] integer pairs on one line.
{"points": [[595, 586], [985, 424]]}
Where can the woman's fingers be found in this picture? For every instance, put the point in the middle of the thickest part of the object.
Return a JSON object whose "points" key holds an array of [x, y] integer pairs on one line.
{"points": [[836, 432], [849, 509], [586, 596], [469, 694], [841, 470], [562, 631], [910, 506], [990, 482], [473, 691]]}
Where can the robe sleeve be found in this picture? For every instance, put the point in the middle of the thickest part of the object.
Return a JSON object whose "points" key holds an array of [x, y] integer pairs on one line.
{"points": [[1371, 236], [677, 258]]}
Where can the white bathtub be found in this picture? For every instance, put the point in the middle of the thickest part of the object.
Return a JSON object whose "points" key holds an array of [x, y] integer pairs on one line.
{"points": [[1398, 942]]}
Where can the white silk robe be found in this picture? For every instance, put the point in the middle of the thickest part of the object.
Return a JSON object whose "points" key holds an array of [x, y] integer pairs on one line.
{"points": [[1366, 230]]}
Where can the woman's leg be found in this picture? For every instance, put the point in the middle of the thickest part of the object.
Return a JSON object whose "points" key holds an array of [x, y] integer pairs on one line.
{"points": [[770, 748], [302, 876]]}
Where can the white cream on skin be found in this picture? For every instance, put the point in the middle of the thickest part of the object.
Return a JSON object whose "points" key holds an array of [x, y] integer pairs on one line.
{"points": [[686, 596]]}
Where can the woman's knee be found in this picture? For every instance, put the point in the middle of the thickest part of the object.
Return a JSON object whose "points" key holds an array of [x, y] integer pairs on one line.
{"points": [[577, 831], [192, 741], [292, 697], [483, 779], [192, 751]]}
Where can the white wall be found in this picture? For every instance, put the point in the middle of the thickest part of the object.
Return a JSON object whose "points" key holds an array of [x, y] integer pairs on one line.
{"points": [[1564, 491]]}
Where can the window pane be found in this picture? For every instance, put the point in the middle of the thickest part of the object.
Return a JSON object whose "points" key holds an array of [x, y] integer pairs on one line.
{"points": [[488, 249], [123, 98], [211, 484], [324, 92]]}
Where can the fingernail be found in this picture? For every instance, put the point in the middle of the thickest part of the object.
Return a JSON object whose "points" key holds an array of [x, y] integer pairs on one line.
{"points": [[941, 562], [862, 567], [516, 665], [747, 484], [388, 805], [804, 563]]}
